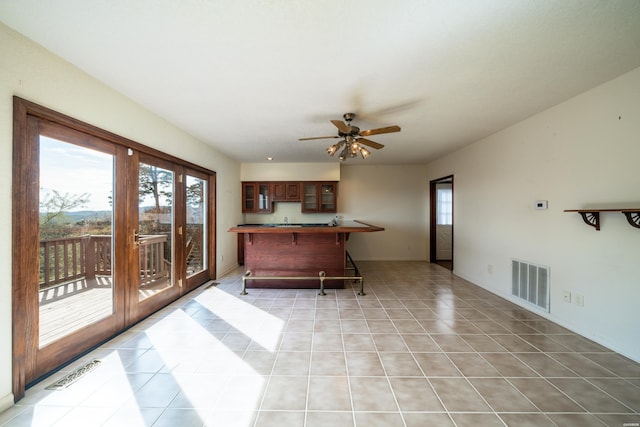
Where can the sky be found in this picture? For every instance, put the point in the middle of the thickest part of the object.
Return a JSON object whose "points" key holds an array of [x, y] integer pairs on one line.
{"points": [[75, 170]]}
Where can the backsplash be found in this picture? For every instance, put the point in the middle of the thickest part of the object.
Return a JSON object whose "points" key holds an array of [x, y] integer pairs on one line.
{"points": [[292, 211]]}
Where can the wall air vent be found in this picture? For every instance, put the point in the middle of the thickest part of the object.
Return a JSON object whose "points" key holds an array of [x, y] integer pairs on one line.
{"points": [[530, 282]]}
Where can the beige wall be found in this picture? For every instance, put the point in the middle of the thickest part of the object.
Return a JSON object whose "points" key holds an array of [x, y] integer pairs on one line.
{"points": [[29, 71], [393, 197], [581, 153], [290, 171]]}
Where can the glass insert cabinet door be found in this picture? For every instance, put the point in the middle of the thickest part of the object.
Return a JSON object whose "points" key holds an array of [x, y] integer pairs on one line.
{"points": [[319, 197], [310, 197], [327, 197], [264, 197], [75, 287]]}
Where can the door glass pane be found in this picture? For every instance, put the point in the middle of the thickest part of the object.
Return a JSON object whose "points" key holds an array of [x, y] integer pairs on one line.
{"points": [[76, 238], [444, 205], [155, 225], [196, 225]]}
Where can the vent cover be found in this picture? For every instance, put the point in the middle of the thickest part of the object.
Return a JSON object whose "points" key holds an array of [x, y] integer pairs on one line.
{"points": [[74, 376], [530, 282]]}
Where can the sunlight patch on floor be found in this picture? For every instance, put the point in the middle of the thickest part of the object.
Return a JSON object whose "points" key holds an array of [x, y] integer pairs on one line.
{"points": [[262, 327], [196, 360]]}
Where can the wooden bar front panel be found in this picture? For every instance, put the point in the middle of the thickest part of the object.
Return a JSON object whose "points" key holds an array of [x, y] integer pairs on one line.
{"points": [[294, 254]]}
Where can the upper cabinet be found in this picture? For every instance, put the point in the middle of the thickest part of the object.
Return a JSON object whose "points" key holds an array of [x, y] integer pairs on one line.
{"points": [[315, 196], [256, 197], [286, 191], [319, 196]]}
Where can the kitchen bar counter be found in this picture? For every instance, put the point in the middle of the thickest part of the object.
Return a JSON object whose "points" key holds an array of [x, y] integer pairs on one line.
{"points": [[342, 227], [297, 250]]}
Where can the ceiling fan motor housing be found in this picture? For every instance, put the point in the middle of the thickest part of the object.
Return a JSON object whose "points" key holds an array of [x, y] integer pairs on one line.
{"points": [[353, 131]]}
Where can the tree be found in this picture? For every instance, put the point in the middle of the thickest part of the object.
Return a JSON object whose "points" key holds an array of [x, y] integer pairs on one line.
{"points": [[53, 208], [155, 182], [54, 205], [195, 194]]}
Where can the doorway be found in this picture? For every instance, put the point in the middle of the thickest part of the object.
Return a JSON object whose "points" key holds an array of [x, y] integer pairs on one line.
{"points": [[441, 222], [105, 232]]}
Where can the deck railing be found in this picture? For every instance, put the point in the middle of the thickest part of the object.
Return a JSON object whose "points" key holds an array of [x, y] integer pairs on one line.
{"points": [[84, 257], [153, 265]]}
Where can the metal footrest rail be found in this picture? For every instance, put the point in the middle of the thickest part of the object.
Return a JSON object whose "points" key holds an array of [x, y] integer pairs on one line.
{"points": [[322, 276]]}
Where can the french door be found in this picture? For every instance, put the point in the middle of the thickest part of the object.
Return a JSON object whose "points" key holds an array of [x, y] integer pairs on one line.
{"points": [[154, 234], [105, 233]]}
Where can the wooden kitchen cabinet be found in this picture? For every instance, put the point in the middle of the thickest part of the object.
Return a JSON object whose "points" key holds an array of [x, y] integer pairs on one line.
{"points": [[315, 196], [319, 197], [286, 191], [257, 197]]}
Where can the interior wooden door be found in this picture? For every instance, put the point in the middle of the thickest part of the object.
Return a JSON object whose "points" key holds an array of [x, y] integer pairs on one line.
{"points": [[444, 221], [441, 222]]}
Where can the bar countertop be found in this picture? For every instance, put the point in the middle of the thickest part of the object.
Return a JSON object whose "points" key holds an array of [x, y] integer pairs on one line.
{"points": [[342, 227]]}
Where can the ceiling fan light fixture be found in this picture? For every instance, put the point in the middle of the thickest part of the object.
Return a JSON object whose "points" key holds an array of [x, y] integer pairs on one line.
{"points": [[334, 148], [344, 153], [354, 138]]}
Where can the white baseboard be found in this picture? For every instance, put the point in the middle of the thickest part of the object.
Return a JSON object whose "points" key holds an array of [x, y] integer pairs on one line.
{"points": [[6, 402]]}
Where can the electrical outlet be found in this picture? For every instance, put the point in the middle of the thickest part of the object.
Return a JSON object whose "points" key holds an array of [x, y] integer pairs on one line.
{"points": [[490, 269], [579, 300], [566, 296]]}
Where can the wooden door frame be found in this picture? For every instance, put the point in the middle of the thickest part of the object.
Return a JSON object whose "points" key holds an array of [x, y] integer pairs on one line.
{"points": [[25, 236], [433, 203]]}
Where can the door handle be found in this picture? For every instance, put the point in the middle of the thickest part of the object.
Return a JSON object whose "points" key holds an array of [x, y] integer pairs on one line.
{"points": [[136, 238]]}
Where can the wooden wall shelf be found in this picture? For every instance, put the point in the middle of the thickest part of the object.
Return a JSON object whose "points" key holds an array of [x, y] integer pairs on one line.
{"points": [[592, 216]]}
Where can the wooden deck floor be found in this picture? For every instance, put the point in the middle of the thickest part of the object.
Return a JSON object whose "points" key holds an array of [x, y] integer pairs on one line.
{"points": [[71, 306]]}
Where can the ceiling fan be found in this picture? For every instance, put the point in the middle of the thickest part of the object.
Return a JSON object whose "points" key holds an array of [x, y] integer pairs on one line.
{"points": [[353, 140]]}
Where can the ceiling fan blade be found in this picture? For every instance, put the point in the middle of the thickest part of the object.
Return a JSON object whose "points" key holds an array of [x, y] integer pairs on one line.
{"points": [[370, 143], [318, 137], [342, 127], [378, 131]]}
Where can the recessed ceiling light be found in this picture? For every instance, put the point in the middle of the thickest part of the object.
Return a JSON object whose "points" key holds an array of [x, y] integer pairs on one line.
{"points": [[269, 158]]}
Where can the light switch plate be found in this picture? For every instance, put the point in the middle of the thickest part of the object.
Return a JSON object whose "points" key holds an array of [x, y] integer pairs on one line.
{"points": [[540, 204]]}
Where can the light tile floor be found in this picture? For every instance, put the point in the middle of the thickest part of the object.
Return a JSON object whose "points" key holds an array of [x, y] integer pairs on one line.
{"points": [[422, 348]]}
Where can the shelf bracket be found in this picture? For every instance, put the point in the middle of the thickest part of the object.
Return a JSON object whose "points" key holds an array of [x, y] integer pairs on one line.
{"points": [[633, 217], [591, 218]]}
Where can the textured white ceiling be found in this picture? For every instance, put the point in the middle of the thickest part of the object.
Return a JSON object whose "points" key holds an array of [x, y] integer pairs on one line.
{"points": [[250, 77]]}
